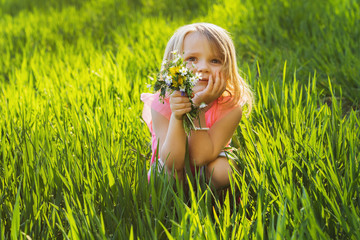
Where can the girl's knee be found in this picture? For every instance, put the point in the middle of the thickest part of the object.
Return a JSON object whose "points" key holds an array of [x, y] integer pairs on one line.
{"points": [[218, 172]]}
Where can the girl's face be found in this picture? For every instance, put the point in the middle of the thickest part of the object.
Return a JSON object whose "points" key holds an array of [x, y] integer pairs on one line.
{"points": [[198, 51]]}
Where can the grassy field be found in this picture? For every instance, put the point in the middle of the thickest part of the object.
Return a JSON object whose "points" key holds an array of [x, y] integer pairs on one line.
{"points": [[74, 150]]}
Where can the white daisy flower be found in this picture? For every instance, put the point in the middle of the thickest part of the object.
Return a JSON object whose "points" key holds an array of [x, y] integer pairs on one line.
{"points": [[203, 105], [174, 52], [198, 76], [176, 59], [193, 81], [183, 71], [168, 79], [182, 88]]}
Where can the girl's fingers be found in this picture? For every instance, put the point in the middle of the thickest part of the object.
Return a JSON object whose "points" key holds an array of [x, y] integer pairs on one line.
{"points": [[217, 84], [176, 94], [180, 100], [215, 87], [180, 112], [217, 81], [183, 111], [181, 105], [176, 97], [210, 84], [223, 82]]}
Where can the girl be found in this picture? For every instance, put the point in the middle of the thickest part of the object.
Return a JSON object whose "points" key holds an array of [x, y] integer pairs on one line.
{"points": [[209, 51]]}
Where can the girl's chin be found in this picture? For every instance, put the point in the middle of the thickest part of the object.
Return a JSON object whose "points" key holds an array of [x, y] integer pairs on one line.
{"points": [[199, 87], [202, 83]]}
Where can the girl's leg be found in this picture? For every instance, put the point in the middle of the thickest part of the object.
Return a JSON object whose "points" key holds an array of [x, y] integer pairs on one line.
{"points": [[218, 172], [179, 174]]}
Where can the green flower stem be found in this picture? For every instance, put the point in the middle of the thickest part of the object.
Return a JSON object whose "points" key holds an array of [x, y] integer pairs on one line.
{"points": [[188, 124]]}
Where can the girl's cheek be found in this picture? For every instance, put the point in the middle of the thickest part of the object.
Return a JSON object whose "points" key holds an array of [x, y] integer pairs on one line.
{"points": [[190, 66], [199, 87]]}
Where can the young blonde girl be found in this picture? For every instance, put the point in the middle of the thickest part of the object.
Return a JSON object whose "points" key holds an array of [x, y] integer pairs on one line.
{"points": [[209, 51]]}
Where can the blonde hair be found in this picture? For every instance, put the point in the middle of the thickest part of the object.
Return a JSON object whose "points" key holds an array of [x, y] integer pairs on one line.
{"points": [[220, 39]]}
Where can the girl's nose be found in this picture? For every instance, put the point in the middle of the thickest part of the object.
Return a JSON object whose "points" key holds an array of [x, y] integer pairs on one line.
{"points": [[202, 67]]}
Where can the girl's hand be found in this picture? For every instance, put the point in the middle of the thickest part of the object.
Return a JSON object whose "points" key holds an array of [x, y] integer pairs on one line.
{"points": [[214, 89], [179, 105]]}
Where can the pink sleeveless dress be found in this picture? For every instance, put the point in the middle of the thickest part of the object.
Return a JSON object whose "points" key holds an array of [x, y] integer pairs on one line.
{"points": [[151, 101]]}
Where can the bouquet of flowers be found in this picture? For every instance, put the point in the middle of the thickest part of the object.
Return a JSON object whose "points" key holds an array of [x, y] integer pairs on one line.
{"points": [[175, 76]]}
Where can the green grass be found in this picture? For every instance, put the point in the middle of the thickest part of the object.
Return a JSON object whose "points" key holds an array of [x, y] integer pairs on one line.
{"points": [[74, 151]]}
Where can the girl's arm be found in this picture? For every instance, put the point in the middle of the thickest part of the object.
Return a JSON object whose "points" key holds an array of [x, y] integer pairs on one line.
{"points": [[170, 133], [205, 145]]}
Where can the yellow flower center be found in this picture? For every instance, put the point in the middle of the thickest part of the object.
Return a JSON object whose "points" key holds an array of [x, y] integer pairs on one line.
{"points": [[174, 70], [180, 80]]}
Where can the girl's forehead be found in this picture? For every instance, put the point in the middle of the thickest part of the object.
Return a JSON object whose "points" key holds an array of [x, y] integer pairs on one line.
{"points": [[193, 39], [196, 41]]}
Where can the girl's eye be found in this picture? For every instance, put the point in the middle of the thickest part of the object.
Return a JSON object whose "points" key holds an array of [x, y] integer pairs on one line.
{"points": [[191, 59], [217, 61]]}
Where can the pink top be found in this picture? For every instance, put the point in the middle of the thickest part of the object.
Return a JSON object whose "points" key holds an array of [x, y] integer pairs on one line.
{"points": [[216, 112]]}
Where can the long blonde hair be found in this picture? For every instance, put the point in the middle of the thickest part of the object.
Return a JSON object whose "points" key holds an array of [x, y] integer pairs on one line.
{"points": [[220, 39]]}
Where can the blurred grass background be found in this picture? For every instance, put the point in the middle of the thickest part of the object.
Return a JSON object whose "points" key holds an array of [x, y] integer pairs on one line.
{"points": [[74, 150], [321, 36]]}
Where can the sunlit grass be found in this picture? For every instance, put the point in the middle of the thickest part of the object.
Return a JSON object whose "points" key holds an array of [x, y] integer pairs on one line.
{"points": [[74, 151]]}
